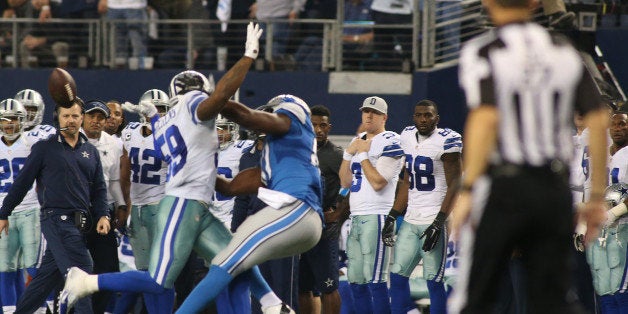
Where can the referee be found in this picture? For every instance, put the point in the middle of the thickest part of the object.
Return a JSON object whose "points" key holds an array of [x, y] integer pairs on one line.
{"points": [[522, 85]]}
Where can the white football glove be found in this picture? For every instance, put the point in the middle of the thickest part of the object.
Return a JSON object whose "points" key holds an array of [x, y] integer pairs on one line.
{"points": [[614, 213], [253, 33], [146, 109]]}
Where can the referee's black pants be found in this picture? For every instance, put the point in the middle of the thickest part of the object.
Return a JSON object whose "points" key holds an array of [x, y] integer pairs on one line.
{"points": [[530, 209]]}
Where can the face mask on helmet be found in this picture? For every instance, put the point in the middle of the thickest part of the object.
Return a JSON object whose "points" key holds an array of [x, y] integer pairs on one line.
{"points": [[228, 131], [34, 105], [158, 98], [187, 81], [12, 115], [615, 194]]}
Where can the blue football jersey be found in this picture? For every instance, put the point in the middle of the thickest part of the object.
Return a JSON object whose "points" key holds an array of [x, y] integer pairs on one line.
{"points": [[289, 161]]}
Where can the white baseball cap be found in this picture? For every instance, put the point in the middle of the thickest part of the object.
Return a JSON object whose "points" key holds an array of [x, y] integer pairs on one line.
{"points": [[375, 103]]}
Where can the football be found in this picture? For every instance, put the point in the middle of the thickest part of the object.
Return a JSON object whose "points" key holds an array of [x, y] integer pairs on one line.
{"points": [[62, 87]]}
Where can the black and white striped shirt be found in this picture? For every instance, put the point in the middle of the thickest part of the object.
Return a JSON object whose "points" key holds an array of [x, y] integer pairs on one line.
{"points": [[536, 80]]}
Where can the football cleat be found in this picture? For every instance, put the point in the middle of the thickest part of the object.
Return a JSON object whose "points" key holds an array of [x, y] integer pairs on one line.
{"points": [[78, 284]]}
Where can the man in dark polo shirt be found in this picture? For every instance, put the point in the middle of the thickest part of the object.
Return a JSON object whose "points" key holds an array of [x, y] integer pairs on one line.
{"points": [[318, 268], [69, 181]]}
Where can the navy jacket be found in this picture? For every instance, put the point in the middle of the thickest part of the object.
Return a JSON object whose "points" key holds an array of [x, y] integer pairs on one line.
{"points": [[67, 178]]}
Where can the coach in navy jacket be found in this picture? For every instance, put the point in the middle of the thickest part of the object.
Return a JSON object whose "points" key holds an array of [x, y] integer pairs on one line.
{"points": [[69, 180]]}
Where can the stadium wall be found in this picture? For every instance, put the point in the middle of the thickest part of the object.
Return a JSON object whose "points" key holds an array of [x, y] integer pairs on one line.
{"points": [[440, 86]]}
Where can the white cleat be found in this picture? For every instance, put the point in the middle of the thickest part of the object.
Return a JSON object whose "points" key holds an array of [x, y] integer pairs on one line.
{"points": [[77, 285], [279, 309]]}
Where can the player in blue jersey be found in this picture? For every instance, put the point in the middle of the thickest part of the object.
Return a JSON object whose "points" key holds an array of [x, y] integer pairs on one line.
{"points": [[288, 181], [186, 138]]}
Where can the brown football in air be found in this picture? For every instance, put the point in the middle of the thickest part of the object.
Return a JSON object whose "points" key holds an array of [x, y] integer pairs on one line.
{"points": [[62, 88]]}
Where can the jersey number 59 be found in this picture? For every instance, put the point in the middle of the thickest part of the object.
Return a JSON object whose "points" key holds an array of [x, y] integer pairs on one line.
{"points": [[173, 149]]}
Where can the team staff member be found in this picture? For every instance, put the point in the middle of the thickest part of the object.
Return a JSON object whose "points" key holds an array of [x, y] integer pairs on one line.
{"points": [[104, 250], [518, 132], [318, 267], [70, 181]]}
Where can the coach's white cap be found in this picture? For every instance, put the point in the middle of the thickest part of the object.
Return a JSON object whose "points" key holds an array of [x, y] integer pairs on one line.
{"points": [[376, 103]]}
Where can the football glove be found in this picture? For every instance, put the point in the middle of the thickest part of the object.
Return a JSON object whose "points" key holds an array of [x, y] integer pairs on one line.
{"points": [[614, 213], [432, 233], [251, 47], [388, 232], [145, 108]]}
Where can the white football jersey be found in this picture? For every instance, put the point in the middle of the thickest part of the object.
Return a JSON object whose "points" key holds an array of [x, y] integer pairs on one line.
{"points": [[190, 147], [427, 174], [364, 200], [39, 132], [12, 159], [579, 168], [228, 168], [619, 167], [110, 150], [584, 138], [148, 171]]}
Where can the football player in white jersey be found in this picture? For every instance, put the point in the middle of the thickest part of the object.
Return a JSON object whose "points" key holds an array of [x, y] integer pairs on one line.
{"points": [[370, 168], [186, 139], [35, 108], [35, 131], [607, 256], [231, 149], [426, 193], [147, 174], [288, 181], [24, 231]]}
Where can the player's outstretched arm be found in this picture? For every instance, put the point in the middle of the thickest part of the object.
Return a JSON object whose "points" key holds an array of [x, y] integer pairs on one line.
{"points": [[231, 81], [256, 120], [245, 182]]}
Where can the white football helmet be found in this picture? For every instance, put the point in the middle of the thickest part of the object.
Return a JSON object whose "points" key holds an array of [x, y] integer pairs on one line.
{"points": [[11, 108], [158, 98], [34, 105], [616, 194], [230, 131], [190, 80]]}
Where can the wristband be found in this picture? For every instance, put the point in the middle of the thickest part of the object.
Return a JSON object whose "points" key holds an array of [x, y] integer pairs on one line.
{"points": [[394, 213], [343, 192], [45, 7], [363, 156], [346, 156]]}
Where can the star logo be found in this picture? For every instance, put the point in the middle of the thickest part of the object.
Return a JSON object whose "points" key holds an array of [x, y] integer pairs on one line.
{"points": [[85, 154], [329, 282], [104, 153], [623, 190]]}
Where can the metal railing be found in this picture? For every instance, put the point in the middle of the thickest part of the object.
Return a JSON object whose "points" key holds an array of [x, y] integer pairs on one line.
{"points": [[433, 38]]}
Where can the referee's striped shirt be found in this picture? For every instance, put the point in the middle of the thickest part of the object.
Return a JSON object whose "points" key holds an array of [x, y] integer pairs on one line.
{"points": [[536, 79]]}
